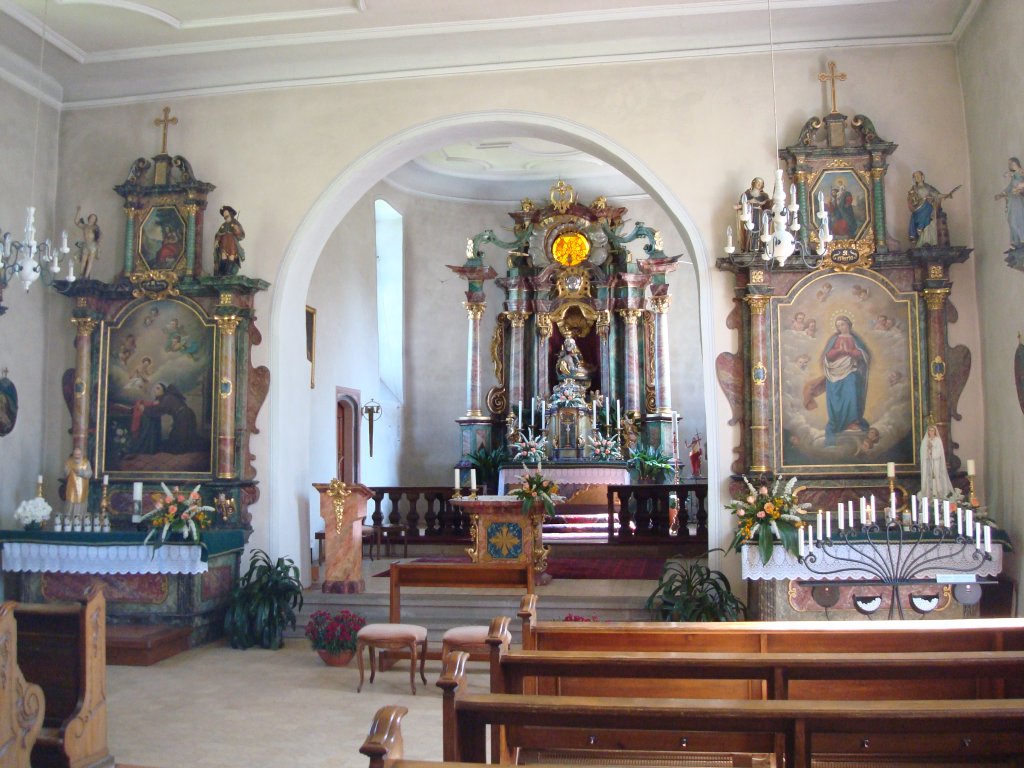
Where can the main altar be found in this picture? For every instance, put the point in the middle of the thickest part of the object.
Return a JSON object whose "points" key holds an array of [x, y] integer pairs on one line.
{"points": [[579, 350]]}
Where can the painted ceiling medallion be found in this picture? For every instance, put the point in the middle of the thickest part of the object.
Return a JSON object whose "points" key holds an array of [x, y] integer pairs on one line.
{"points": [[570, 249]]}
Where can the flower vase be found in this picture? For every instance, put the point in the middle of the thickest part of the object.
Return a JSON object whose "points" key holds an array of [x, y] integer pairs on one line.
{"points": [[339, 659], [32, 527]]}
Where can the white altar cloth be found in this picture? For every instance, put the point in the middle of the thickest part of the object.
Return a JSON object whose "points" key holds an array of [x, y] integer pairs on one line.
{"points": [[577, 477], [108, 559], [784, 565]]}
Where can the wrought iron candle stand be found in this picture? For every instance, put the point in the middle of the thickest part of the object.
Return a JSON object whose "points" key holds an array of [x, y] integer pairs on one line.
{"points": [[901, 559]]}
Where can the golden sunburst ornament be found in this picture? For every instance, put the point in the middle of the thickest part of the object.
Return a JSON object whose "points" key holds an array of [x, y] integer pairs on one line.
{"points": [[570, 249]]}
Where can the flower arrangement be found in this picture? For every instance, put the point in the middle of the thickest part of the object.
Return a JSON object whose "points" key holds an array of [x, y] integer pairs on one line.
{"points": [[334, 633], [537, 487], [567, 394], [530, 447], [605, 448], [32, 513], [768, 515], [177, 511], [575, 617]]}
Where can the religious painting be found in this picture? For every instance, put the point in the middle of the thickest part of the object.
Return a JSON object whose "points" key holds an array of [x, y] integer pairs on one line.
{"points": [[162, 238], [845, 195], [8, 405], [848, 371], [156, 395]]}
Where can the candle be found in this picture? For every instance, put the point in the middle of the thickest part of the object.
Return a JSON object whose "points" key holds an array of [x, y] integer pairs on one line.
{"points": [[39, 479], [849, 510], [945, 513], [913, 508], [520, 413], [457, 483], [64, 241], [842, 517], [828, 525], [970, 467], [800, 543], [890, 469], [618, 415], [106, 479], [543, 415], [137, 491], [892, 503], [924, 510], [593, 416], [936, 509], [728, 237], [820, 515], [472, 479], [872, 508], [988, 538], [810, 537], [533, 411], [978, 535], [970, 523], [959, 522]]}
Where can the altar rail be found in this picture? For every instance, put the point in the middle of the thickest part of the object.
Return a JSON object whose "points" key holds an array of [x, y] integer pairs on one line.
{"points": [[642, 512], [426, 510]]}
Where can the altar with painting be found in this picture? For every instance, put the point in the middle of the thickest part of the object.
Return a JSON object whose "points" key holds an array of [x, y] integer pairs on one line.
{"points": [[845, 379]]}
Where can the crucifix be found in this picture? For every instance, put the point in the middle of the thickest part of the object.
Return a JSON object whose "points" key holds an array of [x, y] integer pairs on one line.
{"points": [[165, 121], [832, 75]]}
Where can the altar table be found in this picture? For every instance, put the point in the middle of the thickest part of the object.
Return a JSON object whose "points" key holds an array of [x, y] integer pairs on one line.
{"points": [[570, 478]]}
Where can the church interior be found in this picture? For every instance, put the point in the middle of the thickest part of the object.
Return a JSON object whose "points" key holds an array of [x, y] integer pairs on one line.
{"points": [[346, 271]]}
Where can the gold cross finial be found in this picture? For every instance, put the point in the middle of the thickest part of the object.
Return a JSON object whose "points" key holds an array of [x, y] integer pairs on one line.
{"points": [[833, 76], [165, 121]]}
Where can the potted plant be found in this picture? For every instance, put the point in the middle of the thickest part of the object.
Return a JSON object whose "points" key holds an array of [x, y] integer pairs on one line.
{"points": [[650, 463], [333, 637], [689, 590], [488, 464], [263, 602]]}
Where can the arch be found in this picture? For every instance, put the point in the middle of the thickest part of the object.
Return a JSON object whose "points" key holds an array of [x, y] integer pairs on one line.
{"points": [[289, 437]]}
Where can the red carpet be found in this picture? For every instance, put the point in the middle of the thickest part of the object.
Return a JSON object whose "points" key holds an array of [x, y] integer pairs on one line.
{"points": [[581, 567]]}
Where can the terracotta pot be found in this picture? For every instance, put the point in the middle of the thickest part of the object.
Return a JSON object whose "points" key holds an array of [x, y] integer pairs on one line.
{"points": [[339, 659]]}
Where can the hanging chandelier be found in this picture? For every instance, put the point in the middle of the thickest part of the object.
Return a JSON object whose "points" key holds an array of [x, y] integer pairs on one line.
{"points": [[27, 258]]}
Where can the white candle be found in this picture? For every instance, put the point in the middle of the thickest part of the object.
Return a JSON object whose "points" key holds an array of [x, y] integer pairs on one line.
{"points": [[457, 483], [970, 467], [810, 537], [106, 479], [543, 415], [842, 517], [863, 510], [728, 237], [618, 415], [890, 469], [39, 479], [913, 508], [820, 515], [978, 536], [800, 543], [970, 523], [988, 538], [924, 510], [959, 522], [936, 509], [828, 525], [892, 503], [472, 479], [137, 491], [872, 508], [945, 513], [849, 510], [520, 413], [593, 415], [533, 411]]}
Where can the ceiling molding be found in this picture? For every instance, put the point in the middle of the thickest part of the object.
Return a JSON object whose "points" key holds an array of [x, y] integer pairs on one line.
{"points": [[35, 25], [28, 79], [965, 20], [346, 9]]}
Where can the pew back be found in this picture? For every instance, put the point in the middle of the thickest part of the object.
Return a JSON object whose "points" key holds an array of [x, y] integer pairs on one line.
{"points": [[455, 576], [21, 703]]}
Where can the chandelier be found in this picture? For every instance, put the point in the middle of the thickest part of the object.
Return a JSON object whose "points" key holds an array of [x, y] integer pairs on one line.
{"points": [[27, 258], [780, 221]]}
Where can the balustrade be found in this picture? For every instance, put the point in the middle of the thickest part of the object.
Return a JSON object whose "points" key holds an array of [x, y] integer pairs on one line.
{"points": [[642, 512], [427, 511]]}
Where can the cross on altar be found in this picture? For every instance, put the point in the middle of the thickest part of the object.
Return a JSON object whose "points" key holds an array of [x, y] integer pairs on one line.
{"points": [[165, 121], [832, 75]]}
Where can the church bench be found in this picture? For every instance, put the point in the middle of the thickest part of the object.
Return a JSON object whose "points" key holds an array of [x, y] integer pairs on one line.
{"points": [[21, 703], [62, 648]]}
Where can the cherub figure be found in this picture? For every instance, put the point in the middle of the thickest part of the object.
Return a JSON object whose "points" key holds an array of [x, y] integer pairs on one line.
{"points": [[824, 292]]}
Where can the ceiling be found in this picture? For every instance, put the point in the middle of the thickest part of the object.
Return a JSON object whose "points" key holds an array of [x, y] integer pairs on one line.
{"points": [[103, 52]]}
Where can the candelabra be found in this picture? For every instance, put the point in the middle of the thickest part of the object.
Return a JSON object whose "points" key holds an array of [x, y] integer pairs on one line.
{"points": [[27, 257], [892, 556]]}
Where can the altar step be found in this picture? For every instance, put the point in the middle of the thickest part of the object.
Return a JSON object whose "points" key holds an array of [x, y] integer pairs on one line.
{"points": [[140, 645]]}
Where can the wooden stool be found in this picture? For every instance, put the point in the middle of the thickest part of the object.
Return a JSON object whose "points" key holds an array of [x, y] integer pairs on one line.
{"points": [[393, 637], [472, 640]]}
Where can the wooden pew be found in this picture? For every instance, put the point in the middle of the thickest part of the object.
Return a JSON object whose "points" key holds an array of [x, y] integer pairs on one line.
{"points": [[62, 648], [21, 702]]}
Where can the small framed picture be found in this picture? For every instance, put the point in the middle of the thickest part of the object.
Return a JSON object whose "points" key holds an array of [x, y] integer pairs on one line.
{"points": [[311, 344]]}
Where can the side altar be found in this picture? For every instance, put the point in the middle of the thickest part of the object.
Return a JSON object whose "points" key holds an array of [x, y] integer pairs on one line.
{"points": [[502, 533]]}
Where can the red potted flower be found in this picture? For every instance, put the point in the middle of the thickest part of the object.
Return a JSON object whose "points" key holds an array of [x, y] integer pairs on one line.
{"points": [[333, 636]]}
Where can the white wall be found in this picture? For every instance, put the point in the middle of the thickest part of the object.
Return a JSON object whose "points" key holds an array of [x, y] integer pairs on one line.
{"points": [[702, 127], [993, 77], [23, 329]]}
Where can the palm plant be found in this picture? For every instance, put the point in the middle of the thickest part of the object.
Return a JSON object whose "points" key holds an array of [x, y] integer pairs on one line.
{"points": [[650, 462], [691, 591], [263, 602], [488, 464]]}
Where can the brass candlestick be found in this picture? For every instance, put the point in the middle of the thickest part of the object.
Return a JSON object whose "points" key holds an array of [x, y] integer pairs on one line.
{"points": [[974, 495], [105, 502]]}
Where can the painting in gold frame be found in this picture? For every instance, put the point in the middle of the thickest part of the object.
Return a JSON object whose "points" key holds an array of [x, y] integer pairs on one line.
{"points": [[847, 370]]}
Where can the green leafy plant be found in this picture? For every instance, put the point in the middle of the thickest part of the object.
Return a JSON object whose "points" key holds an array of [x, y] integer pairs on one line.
{"points": [[488, 464], [334, 633], [263, 602], [689, 590], [535, 488], [649, 462]]}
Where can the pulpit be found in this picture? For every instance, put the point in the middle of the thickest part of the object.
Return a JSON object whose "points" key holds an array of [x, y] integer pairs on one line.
{"points": [[501, 533], [343, 509]]}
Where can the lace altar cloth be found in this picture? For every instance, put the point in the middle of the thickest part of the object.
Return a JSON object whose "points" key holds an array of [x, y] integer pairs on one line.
{"points": [[952, 558], [569, 479], [109, 559]]}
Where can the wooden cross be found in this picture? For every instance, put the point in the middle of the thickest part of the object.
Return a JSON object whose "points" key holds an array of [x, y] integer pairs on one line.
{"points": [[165, 121], [833, 76]]}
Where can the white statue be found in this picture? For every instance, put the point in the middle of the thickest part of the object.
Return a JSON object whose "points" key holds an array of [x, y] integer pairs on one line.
{"points": [[935, 482]]}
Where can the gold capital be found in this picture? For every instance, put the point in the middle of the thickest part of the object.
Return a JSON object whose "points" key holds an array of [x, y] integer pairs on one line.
{"points": [[85, 325], [543, 324], [660, 304], [758, 303], [227, 323], [191, 209], [518, 319], [474, 309], [631, 316], [338, 492], [604, 321], [935, 298], [877, 173]]}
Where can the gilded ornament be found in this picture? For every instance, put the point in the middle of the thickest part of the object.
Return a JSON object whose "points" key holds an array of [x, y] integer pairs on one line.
{"points": [[846, 255], [659, 244], [570, 249], [544, 325], [227, 299], [938, 369], [600, 204], [498, 350], [191, 209], [660, 304], [935, 298], [517, 319], [604, 322], [631, 316], [562, 197], [474, 309], [85, 325], [936, 272], [759, 374], [154, 283], [226, 388], [338, 492], [877, 173], [758, 277], [527, 205], [758, 303], [228, 324]]}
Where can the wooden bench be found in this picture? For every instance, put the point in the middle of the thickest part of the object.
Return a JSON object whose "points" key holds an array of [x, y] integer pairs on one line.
{"points": [[580, 727], [21, 703], [455, 576], [62, 648]]}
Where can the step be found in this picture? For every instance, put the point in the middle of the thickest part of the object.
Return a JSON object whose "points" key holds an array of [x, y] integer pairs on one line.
{"points": [[140, 645]]}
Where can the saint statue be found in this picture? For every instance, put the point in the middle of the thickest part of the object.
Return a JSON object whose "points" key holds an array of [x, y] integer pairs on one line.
{"points": [[753, 202], [935, 482], [76, 488], [925, 203], [89, 245], [570, 363], [227, 248], [1014, 197]]}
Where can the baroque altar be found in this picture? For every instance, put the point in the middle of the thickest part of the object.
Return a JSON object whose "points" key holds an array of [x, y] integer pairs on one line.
{"points": [[579, 351], [502, 533]]}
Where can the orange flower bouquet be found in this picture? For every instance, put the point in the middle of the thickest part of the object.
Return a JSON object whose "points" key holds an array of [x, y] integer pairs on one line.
{"points": [[177, 511], [768, 516]]}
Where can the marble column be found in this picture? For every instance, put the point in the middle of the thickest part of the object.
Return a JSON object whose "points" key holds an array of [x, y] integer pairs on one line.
{"points": [[190, 239], [130, 215], [227, 325], [662, 367], [633, 379], [878, 197], [604, 326], [938, 390], [541, 387], [84, 327], [516, 359], [760, 397], [474, 311]]}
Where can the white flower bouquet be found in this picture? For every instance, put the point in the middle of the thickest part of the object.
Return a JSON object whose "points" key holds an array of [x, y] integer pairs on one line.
{"points": [[33, 512]]}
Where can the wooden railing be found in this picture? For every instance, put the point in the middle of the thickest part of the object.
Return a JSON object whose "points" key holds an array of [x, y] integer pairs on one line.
{"points": [[642, 512], [426, 510]]}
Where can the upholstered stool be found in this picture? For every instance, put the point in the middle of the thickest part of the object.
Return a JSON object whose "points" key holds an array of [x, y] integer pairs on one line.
{"points": [[472, 640], [392, 637]]}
